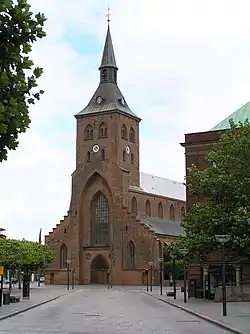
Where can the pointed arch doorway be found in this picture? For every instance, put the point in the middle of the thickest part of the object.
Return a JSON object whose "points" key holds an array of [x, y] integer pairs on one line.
{"points": [[99, 270]]}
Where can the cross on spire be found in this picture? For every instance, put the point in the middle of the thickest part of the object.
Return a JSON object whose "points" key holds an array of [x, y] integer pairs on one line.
{"points": [[108, 15]]}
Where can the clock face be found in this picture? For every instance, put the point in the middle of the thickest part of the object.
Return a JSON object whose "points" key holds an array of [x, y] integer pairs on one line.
{"points": [[128, 149], [95, 148], [99, 100]]}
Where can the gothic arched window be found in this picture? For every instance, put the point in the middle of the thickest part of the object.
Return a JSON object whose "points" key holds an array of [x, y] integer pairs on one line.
{"points": [[63, 256], [99, 229], [134, 205], [132, 135], [124, 155], [103, 130], [124, 133], [171, 213], [160, 210], [88, 132], [102, 154], [132, 158], [148, 208], [131, 254], [88, 157], [182, 212]]}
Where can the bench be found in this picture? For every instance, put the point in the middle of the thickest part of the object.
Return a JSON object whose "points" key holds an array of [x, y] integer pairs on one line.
{"points": [[15, 299]]}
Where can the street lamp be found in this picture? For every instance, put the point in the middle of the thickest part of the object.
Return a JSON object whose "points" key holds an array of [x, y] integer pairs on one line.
{"points": [[151, 275], [68, 266], [184, 252], [222, 239], [73, 278], [173, 256], [160, 272]]}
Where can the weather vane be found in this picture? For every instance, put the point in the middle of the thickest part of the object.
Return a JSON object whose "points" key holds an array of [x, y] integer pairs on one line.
{"points": [[108, 15]]}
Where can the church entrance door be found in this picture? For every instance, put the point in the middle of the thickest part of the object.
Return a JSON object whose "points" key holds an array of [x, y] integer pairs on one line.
{"points": [[99, 270]]}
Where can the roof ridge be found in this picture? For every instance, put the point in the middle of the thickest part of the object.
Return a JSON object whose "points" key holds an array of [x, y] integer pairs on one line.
{"points": [[164, 178]]}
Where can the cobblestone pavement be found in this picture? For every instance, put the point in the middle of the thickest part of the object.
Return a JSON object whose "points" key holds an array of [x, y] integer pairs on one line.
{"points": [[238, 313], [37, 296], [93, 311]]}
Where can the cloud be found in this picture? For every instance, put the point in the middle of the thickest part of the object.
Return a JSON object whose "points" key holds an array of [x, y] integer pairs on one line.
{"points": [[183, 66]]}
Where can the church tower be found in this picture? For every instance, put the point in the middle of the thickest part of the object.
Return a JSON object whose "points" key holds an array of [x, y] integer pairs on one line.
{"points": [[107, 130], [115, 222], [107, 164]]}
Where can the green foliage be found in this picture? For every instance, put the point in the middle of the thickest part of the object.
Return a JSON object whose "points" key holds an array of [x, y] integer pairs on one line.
{"points": [[175, 251], [19, 29], [222, 195], [179, 269], [16, 254]]}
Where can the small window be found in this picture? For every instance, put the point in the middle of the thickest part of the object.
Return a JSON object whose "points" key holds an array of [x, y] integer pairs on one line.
{"points": [[124, 155], [104, 74], [65, 231], [182, 212], [103, 131], [132, 158], [88, 157], [172, 213], [131, 254], [148, 208], [124, 133], [88, 132], [115, 76], [134, 206], [102, 154], [132, 135], [160, 210]]}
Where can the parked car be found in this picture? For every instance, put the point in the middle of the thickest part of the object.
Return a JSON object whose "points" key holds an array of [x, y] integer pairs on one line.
{"points": [[42, 279]]}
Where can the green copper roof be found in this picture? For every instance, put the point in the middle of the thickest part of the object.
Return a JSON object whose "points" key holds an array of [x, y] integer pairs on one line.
{"points": [[240, 115]]}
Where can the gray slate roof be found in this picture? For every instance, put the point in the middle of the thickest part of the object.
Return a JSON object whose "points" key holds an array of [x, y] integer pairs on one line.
{"points": [[163, 227], [108, 56], [108, 90], [161, 186], [112, 97]]}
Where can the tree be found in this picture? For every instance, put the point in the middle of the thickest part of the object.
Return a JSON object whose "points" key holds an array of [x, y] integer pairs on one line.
{"points": [[24, 255], [19, 29], [222, 195]]}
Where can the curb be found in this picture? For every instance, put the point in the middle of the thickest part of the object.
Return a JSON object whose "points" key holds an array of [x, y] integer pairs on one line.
{"points": [[198, 315], [12, 314]]}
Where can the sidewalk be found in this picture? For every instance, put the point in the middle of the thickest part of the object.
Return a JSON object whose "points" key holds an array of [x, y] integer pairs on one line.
{"points": [[38, 296], [238, 313]]}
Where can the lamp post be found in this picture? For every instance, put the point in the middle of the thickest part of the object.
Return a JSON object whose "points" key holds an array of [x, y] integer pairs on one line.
{"points": [[184, 252], [160, 272], [151, 275], [173, 256], [68, 266], [146, 272], [73, 278], [222, 239]]}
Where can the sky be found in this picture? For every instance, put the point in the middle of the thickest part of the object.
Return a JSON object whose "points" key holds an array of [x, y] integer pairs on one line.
{"points": [[183, 67]]}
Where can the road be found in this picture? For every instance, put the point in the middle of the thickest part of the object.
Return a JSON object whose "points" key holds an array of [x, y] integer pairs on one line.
{"points": [[98, 310]]}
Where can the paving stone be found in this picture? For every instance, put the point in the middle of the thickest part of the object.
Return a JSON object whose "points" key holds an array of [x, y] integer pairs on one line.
{"points": [[92, 310]]}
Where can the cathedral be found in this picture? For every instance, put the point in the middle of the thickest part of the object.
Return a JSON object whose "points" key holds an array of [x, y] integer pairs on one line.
{"points": [[118, 218]]}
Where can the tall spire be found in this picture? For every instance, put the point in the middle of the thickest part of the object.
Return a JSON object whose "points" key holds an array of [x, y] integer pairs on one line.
{"points": [[108, 56], [107, 97]]}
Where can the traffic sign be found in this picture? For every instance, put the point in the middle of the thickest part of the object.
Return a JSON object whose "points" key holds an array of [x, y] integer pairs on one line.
{"points": [[1, 270]]}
